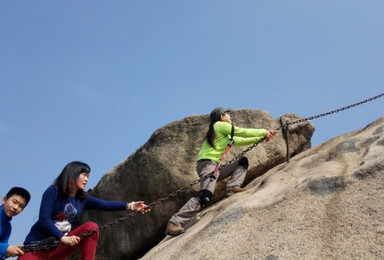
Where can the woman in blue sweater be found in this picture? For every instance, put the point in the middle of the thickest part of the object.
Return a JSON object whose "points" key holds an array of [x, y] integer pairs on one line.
{"points": [[62, 203]]}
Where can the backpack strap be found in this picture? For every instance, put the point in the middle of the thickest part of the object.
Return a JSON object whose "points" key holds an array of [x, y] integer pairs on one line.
{"points": [[232, 134]]}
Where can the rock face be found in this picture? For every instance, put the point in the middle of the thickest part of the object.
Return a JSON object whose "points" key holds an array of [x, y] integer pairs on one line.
{"points": [[165, 163], [326, 203]]}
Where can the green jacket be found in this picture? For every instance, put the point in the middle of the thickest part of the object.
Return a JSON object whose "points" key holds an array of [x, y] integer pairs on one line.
{"points": [[241, 136]]}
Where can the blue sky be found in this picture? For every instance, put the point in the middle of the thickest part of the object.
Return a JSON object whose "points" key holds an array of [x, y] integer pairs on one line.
{"points": [[92, 80]]}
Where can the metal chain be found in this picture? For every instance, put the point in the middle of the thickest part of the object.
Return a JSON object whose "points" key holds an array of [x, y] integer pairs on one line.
{"points": [[332, 112], [182, 189], [242, 153], [304, 120]]}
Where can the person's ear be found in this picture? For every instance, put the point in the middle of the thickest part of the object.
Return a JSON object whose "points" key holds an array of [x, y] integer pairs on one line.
{"points": [[3, 200]]}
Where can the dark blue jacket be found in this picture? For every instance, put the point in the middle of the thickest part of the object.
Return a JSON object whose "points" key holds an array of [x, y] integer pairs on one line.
{"points": [[5, 232]]}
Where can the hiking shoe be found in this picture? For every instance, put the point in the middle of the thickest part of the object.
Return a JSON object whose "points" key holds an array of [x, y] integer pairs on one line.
{"points": [[234, 190], [174, 230]]}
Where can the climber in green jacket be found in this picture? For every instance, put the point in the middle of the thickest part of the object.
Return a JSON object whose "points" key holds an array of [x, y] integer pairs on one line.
{"points": [[220, 136]]}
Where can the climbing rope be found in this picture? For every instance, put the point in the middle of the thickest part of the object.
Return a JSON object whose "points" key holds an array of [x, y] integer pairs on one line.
{"points": [[55, 243]]}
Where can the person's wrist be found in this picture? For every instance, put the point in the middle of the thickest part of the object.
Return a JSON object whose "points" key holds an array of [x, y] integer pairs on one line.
{"points": [[131, 205]]}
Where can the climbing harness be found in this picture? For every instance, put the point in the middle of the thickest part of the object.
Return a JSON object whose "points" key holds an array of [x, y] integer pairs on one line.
{"points": [[284, 126]]}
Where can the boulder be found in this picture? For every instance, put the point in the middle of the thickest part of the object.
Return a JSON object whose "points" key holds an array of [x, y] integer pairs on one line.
{"points": [[166, 163], [326, 203]]}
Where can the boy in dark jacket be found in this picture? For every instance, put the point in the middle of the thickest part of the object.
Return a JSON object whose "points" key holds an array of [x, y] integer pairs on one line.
{"points": [[12, 204]]}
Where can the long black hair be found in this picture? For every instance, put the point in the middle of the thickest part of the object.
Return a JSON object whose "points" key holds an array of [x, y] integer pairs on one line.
{"points": [[71, 173], [211, 135]]}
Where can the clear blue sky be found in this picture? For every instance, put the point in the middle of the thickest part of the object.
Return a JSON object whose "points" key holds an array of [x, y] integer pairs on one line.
{"points": [[92, 80]]}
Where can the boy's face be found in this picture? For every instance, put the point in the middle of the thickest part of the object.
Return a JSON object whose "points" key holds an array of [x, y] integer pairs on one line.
{"points": [[14, 205]]}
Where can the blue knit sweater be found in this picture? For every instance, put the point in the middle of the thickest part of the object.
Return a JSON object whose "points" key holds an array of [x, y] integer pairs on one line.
{"points": [[58, 213]]}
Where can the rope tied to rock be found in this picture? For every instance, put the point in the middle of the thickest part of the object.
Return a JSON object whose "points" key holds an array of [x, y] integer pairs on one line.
{"points": [[55, 243]]}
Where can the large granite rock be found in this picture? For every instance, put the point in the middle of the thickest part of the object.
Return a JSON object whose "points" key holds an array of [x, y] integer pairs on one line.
{"points": [[326, 203], [165, 163]]}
